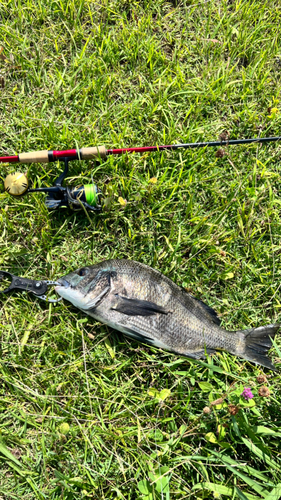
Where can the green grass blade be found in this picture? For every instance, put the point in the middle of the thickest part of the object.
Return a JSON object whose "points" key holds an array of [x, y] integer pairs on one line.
{"points": [[275, 494]]}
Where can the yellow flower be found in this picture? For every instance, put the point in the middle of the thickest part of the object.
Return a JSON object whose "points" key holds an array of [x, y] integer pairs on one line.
{"points": [[122, 202], [153, 180], [273, 112]]}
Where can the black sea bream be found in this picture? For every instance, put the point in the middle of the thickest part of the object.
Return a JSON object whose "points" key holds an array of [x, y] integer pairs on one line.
{"points": [[146, 306]]}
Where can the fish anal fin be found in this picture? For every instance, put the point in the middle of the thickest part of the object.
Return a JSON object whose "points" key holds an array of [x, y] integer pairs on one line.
{"points": [[136, 307]]}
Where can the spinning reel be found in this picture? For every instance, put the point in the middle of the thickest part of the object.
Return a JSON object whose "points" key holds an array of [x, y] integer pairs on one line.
{"points": [[86, 196]]}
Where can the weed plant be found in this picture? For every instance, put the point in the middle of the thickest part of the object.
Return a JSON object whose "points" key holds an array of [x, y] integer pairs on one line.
{"points": [[84, 412]]}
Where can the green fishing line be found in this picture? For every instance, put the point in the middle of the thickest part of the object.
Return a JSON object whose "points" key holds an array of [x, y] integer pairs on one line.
{"points": [[91, 194]]}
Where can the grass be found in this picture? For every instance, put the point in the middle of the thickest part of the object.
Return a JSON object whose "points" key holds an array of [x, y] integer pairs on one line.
{"points": [[86, 413]]}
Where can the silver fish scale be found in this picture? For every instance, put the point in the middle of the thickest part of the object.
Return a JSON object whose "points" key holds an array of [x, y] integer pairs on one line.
{"points": [[188, 328]]}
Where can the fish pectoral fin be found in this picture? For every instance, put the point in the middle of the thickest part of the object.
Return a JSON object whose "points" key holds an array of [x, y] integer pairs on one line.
{"points": [[95, 301], [136, 307]]}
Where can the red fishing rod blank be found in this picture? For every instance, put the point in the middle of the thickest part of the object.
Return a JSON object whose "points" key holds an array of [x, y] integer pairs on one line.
{"points": [[102, 152]]}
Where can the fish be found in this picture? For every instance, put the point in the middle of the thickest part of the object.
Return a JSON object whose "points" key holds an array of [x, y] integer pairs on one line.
{"points": [[147, 306]]}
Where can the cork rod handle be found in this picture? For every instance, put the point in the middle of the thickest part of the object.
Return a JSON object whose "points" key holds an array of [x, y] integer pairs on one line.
{"points": [[34, 157], [89, 153]]}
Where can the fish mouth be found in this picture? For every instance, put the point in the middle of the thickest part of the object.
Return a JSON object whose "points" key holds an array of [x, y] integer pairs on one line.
{"points": [[62, 283]]}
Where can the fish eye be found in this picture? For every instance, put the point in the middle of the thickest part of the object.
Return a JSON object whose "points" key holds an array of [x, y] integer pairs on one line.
{"points": [[83, 271]]}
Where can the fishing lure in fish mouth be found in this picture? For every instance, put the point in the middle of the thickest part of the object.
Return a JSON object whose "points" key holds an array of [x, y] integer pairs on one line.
{"points": [[38, 288]]}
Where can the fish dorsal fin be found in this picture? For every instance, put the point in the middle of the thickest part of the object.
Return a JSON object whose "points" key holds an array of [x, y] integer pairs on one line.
{"points": [[136, 307], [197, 307], [208, 311]]}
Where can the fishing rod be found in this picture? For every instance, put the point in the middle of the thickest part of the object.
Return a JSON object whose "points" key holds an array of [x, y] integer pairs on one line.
{"points": [[102, 152], [88, 195]]}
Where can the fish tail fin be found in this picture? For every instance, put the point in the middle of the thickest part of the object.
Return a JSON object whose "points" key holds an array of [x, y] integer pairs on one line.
{"points": [[257, 342]]}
